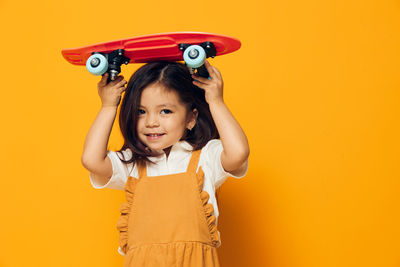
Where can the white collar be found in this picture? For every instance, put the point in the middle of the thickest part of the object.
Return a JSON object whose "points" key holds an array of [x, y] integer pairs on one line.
{"points": [[181, 146]]}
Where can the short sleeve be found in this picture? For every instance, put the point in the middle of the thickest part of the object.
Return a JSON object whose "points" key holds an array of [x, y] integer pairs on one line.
{"points": [[119, 176], [213, 150]]}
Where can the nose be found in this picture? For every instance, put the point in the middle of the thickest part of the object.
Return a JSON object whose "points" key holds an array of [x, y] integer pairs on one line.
{"points": [[152, 121]]}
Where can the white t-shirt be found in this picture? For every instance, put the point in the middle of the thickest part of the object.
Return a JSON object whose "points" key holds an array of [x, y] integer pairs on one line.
{"points": [[177, 162]]}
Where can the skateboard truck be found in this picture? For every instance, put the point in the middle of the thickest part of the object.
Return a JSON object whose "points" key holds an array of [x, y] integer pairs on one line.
{"points": [[195, 55], [100, 63]]}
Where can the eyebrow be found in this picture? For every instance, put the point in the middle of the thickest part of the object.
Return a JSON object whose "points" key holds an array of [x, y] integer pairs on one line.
{"points": [[163, 105]]}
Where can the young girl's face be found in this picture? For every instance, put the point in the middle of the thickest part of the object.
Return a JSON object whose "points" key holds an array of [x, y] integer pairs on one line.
{"points": [[162, 118]]}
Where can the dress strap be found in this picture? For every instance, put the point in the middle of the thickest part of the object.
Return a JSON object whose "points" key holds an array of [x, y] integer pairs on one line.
{"points": [[194, 161], [142, 169]]}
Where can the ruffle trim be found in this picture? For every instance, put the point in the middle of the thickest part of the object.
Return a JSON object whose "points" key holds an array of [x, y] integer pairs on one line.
{"points": [[183, 254], [208, 210], [125, 208]]}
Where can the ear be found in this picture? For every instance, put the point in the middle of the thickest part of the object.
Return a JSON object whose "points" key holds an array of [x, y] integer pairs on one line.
{"points": [[192, 118]]}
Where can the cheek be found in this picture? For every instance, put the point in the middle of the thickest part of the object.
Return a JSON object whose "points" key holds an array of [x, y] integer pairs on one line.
{"points": [[139, 124], [179, 124], [169, 124]]}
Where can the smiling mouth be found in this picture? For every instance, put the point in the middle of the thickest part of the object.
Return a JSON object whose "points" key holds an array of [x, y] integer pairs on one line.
{"points": [[153, 135]]}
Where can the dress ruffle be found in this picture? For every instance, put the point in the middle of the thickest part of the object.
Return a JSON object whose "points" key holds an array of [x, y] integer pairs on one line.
{"points": [[182, 254], [122, 223], [209, 210]]}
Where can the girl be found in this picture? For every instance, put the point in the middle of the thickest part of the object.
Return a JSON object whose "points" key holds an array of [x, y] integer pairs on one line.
{"points": [[172, 162]]}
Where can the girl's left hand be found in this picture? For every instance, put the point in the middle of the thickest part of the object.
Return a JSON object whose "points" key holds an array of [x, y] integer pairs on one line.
{"points": [[213, 88]]}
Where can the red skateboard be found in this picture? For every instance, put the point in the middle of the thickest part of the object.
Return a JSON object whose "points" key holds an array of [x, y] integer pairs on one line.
{"points": [[191, 47]]}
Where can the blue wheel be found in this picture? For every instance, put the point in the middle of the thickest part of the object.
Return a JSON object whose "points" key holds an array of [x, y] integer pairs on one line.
{"points": [[97, 64], [194, 56]]}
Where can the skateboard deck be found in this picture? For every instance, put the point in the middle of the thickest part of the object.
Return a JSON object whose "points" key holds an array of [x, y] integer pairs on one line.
{"points": [[163, 46]]}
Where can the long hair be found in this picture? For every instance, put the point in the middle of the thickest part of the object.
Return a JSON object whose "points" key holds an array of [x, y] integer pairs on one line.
{"points": [[173, 76]]}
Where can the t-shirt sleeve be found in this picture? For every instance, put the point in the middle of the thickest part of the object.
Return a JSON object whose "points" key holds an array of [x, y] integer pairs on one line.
{"points": [[119, 176], [213, 150]]}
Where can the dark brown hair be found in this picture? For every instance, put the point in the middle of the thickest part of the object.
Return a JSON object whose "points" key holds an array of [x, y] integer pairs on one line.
{"points": [[173, 76]]}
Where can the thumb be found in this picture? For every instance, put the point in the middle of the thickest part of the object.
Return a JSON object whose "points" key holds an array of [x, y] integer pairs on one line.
{"points": [[104, 77]]}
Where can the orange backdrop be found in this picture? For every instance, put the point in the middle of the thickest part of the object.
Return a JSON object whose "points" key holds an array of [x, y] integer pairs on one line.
{"points": [[315, 86]]}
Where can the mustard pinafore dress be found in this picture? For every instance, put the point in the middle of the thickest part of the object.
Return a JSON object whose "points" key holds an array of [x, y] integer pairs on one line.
{"points": [[167, 222]]}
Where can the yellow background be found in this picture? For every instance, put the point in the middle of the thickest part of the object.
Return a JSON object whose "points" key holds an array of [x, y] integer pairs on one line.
{"points": [[315, 86]]}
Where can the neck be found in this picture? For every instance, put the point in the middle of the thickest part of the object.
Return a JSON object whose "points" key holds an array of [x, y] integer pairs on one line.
{"points": [[167, 150]]}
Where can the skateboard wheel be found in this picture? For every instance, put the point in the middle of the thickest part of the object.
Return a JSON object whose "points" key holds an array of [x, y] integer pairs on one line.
{"points": [[194, 56], [97, 64]]}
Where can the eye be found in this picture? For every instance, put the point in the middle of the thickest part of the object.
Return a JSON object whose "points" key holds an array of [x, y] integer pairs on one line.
{"points": [[140, 111], [167, 111]]}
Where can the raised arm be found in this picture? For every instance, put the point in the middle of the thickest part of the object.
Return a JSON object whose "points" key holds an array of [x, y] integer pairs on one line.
{"points": [[234, 141], [94, 156]]}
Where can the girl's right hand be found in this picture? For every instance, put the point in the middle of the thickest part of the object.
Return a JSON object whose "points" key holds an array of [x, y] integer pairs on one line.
{"points": [[110, 93]]}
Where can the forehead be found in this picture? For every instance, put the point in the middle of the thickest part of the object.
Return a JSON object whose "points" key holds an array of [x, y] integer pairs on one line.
{"points": [[156, 95]]}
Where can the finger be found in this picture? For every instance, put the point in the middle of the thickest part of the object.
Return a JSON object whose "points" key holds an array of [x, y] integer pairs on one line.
{"points": [[117, 80], [122, 83], [122, 89], [198, 84], [217, 73], [200, 79], [210, 69], [103, 80]]}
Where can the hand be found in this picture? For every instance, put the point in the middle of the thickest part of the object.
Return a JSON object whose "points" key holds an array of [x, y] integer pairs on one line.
{"points": [[213, 88], [110, 93]]}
